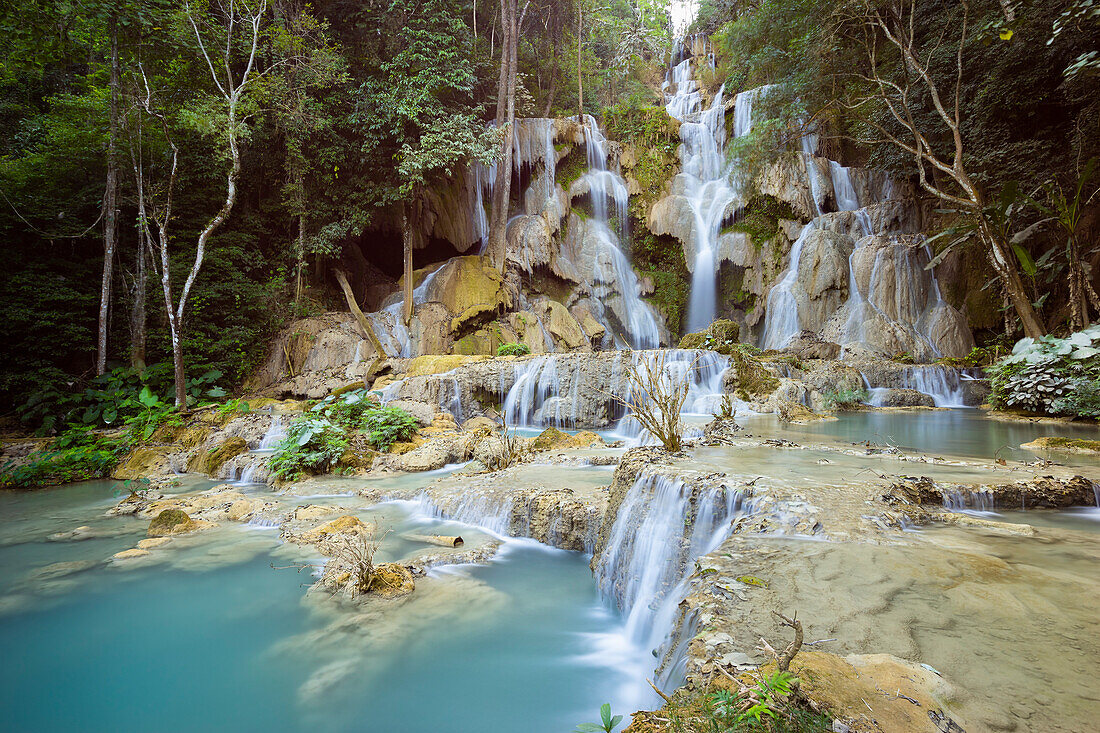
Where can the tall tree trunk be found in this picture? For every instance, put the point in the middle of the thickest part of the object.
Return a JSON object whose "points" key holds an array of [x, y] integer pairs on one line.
{"points": [[580, 85], [110, 204], [502, 192], [1005, 267], [137, 312], [407, 240]]}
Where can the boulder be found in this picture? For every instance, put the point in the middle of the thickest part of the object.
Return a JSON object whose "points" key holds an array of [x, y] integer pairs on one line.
{"points": [[147, 461], [209, 460], [421, 411], [563, 327], [171, 522]]}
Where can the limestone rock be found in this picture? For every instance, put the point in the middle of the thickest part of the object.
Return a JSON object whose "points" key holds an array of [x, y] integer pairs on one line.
{"points": [[151, 542], [149, 461], [171, 522], [904, 398], [421, 411], [130, 554], [209, 460]]}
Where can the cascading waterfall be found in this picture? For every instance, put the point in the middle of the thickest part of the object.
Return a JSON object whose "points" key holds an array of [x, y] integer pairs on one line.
{"points": [[709, 188], [612, 274], [781, 320], [547, 390], [662, 525], [274, 435]]}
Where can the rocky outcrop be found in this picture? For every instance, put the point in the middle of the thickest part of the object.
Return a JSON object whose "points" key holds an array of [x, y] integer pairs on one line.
{"points": [[1034, 493]]}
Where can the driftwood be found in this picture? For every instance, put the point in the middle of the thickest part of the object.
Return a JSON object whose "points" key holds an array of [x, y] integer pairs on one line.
{"points": [[435, 539], [364, 322]]}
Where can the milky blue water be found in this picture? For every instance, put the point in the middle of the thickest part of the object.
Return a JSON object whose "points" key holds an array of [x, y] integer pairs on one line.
{"points": [[954, 433], [213, 638]]}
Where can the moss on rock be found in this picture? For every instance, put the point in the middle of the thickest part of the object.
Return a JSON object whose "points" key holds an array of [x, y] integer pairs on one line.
{"points": [[170, 522], [209, 461]]}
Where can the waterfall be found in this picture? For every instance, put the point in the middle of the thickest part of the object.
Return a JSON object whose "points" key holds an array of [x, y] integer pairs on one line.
{"points": [[942, 383], [479, 510], [612, 274], [703, 371], [274, 435], [708, 186], [536, 380], [781, 320], [400, 342], [662, 526]]}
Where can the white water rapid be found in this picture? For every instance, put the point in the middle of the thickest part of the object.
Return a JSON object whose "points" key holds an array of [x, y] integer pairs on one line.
{"points": [[659, 530]]}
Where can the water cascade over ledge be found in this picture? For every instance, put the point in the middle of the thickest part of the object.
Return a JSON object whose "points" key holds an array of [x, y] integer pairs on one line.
{"points": [[662, 526]]}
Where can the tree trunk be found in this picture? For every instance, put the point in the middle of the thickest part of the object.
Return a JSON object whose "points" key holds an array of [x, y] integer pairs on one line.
{"points": [[1014, 285], [580, 85], [407, 240], [137, 313], [364, 322], [505, 119], [110, 205]]}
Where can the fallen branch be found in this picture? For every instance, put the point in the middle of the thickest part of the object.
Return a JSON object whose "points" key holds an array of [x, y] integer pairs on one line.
{"points": [[664, 697]]}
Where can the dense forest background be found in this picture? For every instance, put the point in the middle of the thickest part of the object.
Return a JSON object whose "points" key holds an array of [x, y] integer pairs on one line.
{"points": [[283, 138]]}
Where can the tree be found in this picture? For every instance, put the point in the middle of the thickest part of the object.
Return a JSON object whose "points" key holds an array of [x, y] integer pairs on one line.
{"points": [[110, 201], [925, 117], [505, 120]]}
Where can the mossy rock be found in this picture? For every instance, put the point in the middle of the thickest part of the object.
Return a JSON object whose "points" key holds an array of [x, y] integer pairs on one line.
{"points": [[348, 388], [193, 436], [693, 340], [753, 378], [391, 581], [1066, 445], [170, 522], [352, 458], [146, 461], [550, 439], [722, 335], [209, 461]]}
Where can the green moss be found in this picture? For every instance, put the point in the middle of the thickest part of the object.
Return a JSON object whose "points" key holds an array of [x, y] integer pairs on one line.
{"points": [[169, 521], [760, 219], [571, 167], [662, 260], [209, 461], [1072, 445], [753, 378], [720, 336]]}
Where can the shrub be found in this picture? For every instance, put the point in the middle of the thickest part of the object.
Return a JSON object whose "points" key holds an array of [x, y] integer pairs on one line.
{"points": [[78, 455], [1051, 375], [388, 425], [348, 408], [844, 399], [111, 398], [312, 444], [513, 349]]}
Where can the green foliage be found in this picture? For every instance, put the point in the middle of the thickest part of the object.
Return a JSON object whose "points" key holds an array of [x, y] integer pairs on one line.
{"points": [[312, 445], [230, 407], [388, 425], [607, 722], [977, 357], [141, 400], [760, 218], [513, 349], [1051, 375], [78, 455], [844, 399]]}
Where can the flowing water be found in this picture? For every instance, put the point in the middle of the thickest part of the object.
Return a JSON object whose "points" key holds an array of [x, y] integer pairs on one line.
{"points": [[205, 632]]}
